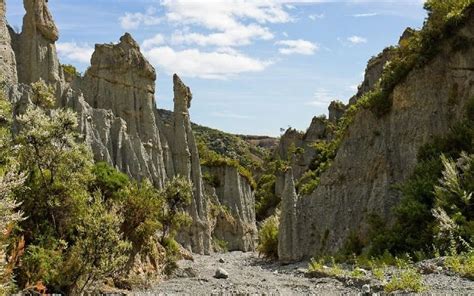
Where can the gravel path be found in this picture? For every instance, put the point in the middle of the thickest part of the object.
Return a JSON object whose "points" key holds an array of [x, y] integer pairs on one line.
{"points": [[250, 275]]}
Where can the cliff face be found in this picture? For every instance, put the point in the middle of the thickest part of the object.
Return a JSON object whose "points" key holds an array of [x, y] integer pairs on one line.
{"points": [[234, 193], [117, 113], [378, 153], [296, 147], [187, 164], [7, 55], [34, 47]]}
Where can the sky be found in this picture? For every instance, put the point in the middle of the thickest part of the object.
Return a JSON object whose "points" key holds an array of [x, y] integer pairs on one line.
{"points": [[254, 66]]}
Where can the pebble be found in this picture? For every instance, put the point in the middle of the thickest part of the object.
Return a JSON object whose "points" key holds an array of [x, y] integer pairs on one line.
{"points": [[221, 273]]}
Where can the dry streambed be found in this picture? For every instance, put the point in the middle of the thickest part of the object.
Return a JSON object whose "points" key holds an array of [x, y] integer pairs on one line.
{"points": [[250, 275]]}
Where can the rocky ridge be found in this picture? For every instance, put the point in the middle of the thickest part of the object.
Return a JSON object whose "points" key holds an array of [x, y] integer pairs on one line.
{"points": [[378, 153], [115, 103]]}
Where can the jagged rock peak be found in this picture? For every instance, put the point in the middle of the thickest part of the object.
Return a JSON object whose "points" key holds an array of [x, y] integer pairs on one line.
{"points": [[336, 110], [7, 56], [38, 15], [128, 39], [288, 235], [119, 63], [181, 92], [187, 164]]}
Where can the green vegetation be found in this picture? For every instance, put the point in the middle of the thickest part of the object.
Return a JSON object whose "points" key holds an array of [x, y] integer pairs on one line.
{"points": [[266, 199], [71, 70], [434, 197], [84, 222], [211, 158], [418, 49], [406, 280], [268, 237]]}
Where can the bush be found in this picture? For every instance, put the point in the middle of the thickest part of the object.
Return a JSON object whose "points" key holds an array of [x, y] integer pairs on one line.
{"points": [[108, 181], [268, 237], [71, 70], [406, 280], [140, 209]]}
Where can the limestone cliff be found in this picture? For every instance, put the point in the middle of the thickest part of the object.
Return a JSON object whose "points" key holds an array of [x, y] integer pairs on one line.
{"points": [[115, 104], [187, 164], [7, 55], [296, 146], [236, 223], [34, 47], [380, 152], [288, 248], [121, 80]]}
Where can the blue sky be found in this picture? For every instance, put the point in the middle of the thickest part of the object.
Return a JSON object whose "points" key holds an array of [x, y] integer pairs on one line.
{"points": [[254, 66]]}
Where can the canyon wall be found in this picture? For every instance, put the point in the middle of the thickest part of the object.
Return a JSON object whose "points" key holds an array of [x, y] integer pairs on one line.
{"points": [[378, 153], [117, 113]]}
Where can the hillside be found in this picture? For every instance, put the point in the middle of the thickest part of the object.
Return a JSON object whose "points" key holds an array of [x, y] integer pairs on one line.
{"points": [[249, 151]]}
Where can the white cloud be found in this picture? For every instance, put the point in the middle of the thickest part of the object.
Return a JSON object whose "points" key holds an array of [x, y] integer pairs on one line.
{"points": [[297, 47], [321, 98], [75, 52], [156, 40], [230, 22], [365, 14], [357, 39], [209, 65], [316, 16], [132, 21], [242, 35]]}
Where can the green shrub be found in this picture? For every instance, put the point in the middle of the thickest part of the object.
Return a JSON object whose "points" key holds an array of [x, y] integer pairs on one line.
{"points": [[219, 245], [108, 180], [268, 237], [415, 225], [462, 264], [71, 70], [406, 280]]}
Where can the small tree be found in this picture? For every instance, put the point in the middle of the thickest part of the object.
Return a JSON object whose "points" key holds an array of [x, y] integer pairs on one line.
{"points": [[454, 206], [177, 195], [10, 179]]}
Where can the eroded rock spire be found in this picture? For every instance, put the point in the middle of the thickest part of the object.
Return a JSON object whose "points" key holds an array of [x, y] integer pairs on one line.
{"points": [[187, 164], [36, 45]]}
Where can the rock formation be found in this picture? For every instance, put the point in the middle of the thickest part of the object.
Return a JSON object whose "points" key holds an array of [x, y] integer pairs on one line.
{"points": [[121, 80], [35, 48], [116, 107], [380, 152], [236, 225], [187, 164], [7, 56], [288, 249]]}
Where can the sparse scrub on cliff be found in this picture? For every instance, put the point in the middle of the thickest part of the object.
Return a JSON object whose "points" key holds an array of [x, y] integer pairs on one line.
{"points": [[268, 237], [71, 70], [415, 228], [211, 158], [418, 49], [266, 199]]}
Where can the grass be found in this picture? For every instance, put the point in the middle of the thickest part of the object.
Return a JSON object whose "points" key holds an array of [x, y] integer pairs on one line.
{"points": [[406, 280], [462, 264]]}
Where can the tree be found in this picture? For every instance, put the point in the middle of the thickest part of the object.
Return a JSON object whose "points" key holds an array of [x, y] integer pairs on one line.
{"points": [[10, 179], [177, 195]]}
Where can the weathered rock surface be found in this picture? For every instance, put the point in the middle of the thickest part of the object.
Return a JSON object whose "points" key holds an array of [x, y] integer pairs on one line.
{"points": [[296, 146], [288, 235], [34, 47], [187, 164], [116, 108], [378, 153], [7, 55], [237, 227], [122, 81]]}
